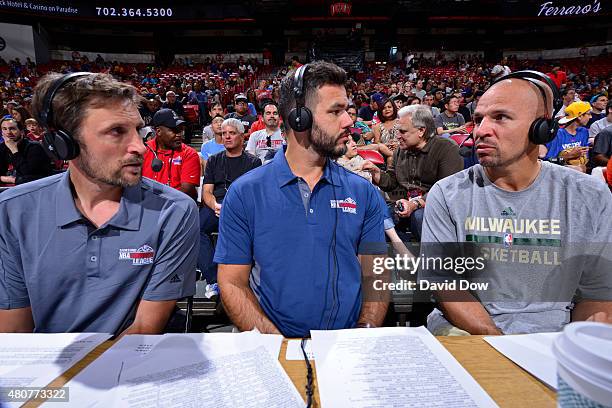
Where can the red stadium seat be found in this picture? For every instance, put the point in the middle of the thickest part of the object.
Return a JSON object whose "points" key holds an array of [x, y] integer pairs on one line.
{"points": [[372, 155], [191, 113], [462, 138]]}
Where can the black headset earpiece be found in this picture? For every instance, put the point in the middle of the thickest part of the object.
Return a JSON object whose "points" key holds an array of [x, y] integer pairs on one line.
{"points": [[300, 117], [542, 130], [58, 143]]}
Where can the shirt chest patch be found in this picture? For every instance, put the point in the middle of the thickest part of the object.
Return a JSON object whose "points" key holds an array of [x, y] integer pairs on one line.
{"points": [[141, 256], [348, 205]]}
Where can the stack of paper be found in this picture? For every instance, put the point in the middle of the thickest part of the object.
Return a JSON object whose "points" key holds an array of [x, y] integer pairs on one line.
{"points": [[391, 367], [533, 352], [219, 369], [34, 360]]}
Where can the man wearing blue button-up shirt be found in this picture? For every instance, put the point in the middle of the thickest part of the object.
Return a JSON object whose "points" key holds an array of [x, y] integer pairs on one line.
{"points": [[98, 248], [293, 232]]}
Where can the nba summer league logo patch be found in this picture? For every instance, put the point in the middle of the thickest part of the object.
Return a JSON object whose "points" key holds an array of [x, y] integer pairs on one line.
{"points": [[141, 256], [348, 205]]}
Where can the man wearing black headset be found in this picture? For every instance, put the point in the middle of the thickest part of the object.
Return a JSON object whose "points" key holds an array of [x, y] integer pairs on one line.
{"points": [[543, 230], [292, 233], [97, 248]]}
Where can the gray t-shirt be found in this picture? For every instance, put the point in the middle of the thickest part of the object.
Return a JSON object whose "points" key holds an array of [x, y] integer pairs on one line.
{"points": [[542, 245], [598, 126], [449, 123], [603, 143], [258, 144]]}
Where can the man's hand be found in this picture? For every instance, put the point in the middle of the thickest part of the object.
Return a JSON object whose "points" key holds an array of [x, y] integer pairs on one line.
{"points": [[151, 317], [572, 153], [600, 317], [8, 179], [240, 302], [217, 209], [409, 207], [460, 129], [373, 169]]}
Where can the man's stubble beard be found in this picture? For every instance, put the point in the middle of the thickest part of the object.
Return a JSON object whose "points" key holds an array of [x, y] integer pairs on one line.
{"points": [[96, 170], [497, 161], [324, 144]]}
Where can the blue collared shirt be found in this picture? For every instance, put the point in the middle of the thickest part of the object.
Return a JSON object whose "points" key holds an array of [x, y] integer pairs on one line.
{"points": [[79, 278], [272, 220]]}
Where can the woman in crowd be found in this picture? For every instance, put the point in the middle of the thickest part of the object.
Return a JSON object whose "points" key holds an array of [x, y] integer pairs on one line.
{"points": [[20, 114], [385, 131]]}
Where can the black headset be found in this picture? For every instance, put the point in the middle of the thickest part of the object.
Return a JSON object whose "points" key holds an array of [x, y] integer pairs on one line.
{"points": [[542, 130], [300, 117], [58, 143]]}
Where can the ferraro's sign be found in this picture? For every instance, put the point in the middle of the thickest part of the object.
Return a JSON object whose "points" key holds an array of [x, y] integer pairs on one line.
{"points": [[552, 8]]}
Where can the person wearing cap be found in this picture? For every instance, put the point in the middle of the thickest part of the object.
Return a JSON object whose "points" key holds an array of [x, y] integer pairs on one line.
{"points": [[241, 104], [598, 103], [173, 103], [97, 248], [572, 142], [180, 163], [542, 231], [366, 113]]}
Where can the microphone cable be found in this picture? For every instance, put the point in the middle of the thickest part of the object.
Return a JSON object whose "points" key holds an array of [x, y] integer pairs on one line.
{"points": [[309, 376]]}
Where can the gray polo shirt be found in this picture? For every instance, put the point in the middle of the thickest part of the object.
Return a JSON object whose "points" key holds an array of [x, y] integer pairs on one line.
{"points": [[78, 278]]}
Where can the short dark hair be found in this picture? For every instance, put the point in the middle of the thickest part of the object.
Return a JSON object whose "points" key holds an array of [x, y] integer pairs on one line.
{"points": [[449, 98], [73, 100], [566, 90], [609, 107], [12, 119], [318, 73], [411, 99], [215, 104], [267, 103]]}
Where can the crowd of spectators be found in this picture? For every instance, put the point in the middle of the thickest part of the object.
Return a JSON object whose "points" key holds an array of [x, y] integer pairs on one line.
{"points": [[241, 89]]}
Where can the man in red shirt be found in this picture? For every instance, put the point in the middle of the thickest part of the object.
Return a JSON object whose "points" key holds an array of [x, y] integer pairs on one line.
{"points": [[559, 77], [180, 163]]}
